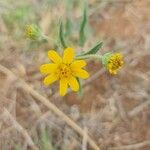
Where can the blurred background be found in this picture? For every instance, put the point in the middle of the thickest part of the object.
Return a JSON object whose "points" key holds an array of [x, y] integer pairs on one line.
{"points": [[115, 110]]}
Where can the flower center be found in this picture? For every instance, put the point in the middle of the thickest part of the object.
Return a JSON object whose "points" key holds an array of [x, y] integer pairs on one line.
{"points": [[115, 62], [64, 71]]}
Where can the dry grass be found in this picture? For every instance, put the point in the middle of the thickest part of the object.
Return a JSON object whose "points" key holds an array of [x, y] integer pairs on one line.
{"points": [[114, 111]]}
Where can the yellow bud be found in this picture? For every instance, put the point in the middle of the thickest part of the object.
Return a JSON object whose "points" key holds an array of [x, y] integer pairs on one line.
{"points": [[113, 62], [32, 31]]}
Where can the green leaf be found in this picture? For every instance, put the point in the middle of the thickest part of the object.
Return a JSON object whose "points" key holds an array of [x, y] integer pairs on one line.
{"points": [[68, 27], [82, 37], [46, 142], [61, 36], [94, 50], [17, 147]]}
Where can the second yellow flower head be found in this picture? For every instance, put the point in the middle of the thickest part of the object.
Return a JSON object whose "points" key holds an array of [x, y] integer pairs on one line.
{"points": [[113, 62], [65, 69]]}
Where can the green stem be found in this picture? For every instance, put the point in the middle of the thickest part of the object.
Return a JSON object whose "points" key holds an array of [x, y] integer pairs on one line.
{"points": [[94, 56]]}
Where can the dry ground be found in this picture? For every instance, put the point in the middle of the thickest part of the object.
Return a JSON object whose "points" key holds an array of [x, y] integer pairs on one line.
{"points": [[114, 109]]}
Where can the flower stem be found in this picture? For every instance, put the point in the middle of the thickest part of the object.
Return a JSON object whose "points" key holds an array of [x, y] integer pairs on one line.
{"points": [[94, 56]]}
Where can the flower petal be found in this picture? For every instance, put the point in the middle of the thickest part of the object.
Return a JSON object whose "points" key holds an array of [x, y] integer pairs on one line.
{"points": [[63, 86], [50, 79], [48, 68], [81, 73], [53, 56], [78, 64], [68, 55], [73, 83]]}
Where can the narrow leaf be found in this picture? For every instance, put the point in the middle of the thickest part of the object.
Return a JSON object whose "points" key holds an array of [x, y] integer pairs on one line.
{"points": [[61, 36], [82, 36], [46, 141], [94, 50], [68, 27]]}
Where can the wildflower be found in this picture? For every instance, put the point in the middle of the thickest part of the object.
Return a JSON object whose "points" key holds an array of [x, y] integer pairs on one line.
{"points": [[65, 69], [32, 32], [113, 62]]}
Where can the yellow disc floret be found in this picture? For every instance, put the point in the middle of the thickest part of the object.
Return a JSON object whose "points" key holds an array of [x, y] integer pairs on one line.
{"points": [[65, 69], [114, 63]]}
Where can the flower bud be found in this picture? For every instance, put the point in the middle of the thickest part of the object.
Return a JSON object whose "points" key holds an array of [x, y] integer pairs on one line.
{"points": [[32, 31], [113, 62]]}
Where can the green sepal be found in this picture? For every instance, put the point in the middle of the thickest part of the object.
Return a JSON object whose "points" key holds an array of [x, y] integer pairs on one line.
{"points": [[105, 58]]}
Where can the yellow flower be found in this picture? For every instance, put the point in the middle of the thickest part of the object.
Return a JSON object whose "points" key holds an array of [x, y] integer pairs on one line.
{"points": [[65, 69], [114, 63]]}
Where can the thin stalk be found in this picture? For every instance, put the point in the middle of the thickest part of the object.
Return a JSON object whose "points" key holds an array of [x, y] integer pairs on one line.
{"points": [[94, 56]]}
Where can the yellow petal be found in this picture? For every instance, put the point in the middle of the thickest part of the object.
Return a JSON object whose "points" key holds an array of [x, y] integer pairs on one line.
{"points": [[81, 73], [63, 87], [78, 64], [53, 56], [48, 68], [50, 79], [68, 55], [113, 72], [73, 83]]}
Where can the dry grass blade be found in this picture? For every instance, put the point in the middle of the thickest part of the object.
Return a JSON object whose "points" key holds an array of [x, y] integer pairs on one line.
{"points": [[133, 146], [19, 128], [139, 108], [84, 142]]}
